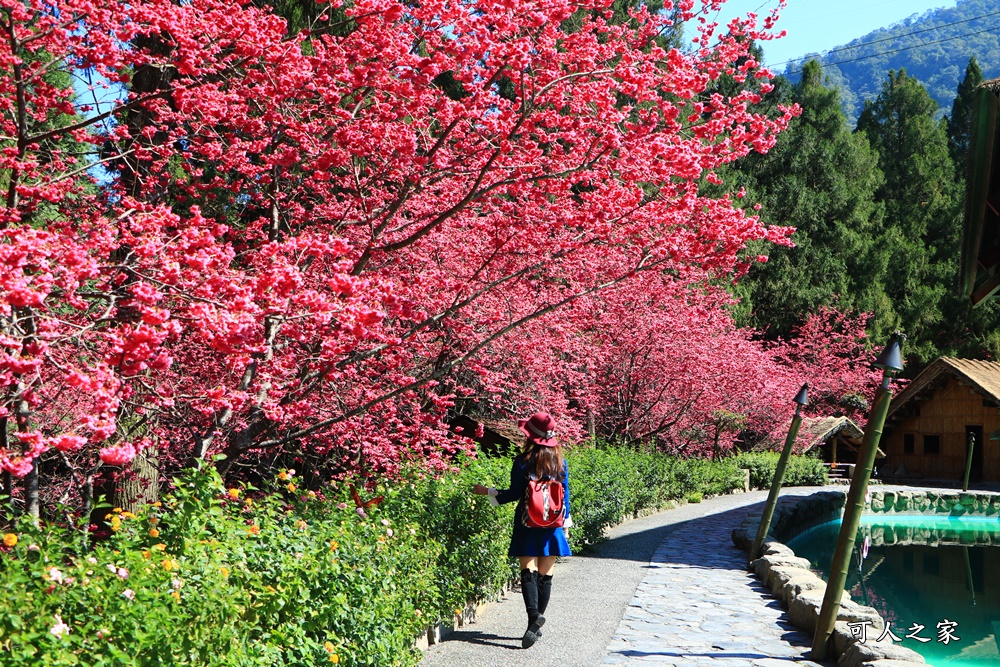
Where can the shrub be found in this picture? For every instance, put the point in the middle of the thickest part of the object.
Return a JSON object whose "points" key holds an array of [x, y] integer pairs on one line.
{"points": [[242, 578], [801, 470]]}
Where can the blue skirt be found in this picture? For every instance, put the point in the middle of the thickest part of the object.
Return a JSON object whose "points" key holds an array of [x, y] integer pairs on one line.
{"points": [[526, 541]]}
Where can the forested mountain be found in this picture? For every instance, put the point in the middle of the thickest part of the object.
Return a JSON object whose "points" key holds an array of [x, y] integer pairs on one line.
{"points": [[934, 48], [877, 208]]}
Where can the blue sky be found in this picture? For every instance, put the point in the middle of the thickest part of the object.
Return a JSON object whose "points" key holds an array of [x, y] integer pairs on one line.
{"points": [[816, 25]]}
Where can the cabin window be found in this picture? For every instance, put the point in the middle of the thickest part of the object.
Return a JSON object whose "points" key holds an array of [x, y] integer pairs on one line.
{"points": [[932, 444], [909, 441]]}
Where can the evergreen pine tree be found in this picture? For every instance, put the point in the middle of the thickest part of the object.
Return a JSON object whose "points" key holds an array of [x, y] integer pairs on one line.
{"points": [[961, 114], [917, 247], [821, 179]]}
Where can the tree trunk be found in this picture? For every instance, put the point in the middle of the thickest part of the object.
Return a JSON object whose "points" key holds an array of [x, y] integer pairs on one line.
{"points": [[142, 485], [31, 503]]}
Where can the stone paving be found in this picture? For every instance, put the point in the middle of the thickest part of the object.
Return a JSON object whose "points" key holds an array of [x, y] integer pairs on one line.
{"points": [[667, 590], [699, 607]]}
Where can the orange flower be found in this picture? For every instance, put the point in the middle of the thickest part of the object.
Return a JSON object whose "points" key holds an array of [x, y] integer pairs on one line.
{"points": [[291, 487], [160, 547], [154, 532], [254, 529], [234, 493], [9, 540]]}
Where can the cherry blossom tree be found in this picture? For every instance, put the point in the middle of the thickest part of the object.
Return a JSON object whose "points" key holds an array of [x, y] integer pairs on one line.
{"points": [[316, 242]]}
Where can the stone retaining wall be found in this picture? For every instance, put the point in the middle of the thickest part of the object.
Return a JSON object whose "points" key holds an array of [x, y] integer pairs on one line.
{"points": [[801, 590]]}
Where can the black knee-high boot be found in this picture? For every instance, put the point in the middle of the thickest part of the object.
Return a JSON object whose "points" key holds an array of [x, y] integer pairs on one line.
{"points": [[544, 591], [529, 591]]}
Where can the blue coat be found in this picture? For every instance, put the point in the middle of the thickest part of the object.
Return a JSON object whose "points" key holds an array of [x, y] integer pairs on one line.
{"points": [[532, 541]]}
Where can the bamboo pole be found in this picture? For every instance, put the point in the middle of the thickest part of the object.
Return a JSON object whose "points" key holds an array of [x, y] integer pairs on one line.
{"points": [[779, 475], [968, 461], [889, 361]]}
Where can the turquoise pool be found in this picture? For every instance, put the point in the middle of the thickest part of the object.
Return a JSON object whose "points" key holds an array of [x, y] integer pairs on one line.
{"points": [[937, 572]]}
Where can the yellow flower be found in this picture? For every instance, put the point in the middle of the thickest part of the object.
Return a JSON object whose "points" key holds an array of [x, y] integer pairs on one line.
{"points": [[117, 510], [234, 493], [254, 529], [311, 494], [128, 515], [225, 571], [168, 564], [290, 487], [328, 646], [283, 476], [176, 595], [334, 658], [146, 554], [9, 540], [157, 504], [116, 523], [160, 547], [154, 532], [249, 502], [334, 544]]}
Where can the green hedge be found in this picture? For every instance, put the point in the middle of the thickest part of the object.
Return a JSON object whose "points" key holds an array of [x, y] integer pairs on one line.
{"points": [[214, 577], [801, 470]]}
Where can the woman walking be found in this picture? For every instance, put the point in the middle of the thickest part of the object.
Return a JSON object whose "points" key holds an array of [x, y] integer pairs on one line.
{"points": [[535, 548]]}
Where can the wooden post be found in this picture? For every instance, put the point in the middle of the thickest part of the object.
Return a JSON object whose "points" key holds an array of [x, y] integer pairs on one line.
{"points": [[968, 461], [779, 475], [890, 360]]}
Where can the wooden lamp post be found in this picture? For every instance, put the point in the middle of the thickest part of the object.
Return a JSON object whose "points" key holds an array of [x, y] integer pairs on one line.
{"points": [[890, 361], [801, 399]]}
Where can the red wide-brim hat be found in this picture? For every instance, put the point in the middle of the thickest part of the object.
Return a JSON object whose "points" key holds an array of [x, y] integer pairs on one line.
{"points": [[540, 429]]}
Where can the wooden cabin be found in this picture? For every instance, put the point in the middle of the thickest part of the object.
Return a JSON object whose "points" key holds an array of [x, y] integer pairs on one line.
{"points": [[837, 440], [930, 422]]}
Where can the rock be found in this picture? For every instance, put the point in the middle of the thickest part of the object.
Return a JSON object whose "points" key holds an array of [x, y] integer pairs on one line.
{"points": [[878, 501], [763, 565], [772, 548], [904, 501], [796, 585], [779, 575], [858, 654]]}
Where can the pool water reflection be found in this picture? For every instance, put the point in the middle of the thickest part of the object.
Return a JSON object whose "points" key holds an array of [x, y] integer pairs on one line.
{"points": [[924, 571]]}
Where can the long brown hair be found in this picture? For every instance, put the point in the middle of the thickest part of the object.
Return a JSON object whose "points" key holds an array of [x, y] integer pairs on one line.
{"points": [[544, 461]]}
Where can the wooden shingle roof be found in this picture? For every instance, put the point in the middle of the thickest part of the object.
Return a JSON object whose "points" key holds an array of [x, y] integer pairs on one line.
{"points": [[817, 430], [982, 376]]}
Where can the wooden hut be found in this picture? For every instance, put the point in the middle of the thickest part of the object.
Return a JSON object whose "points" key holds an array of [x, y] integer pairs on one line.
{"points": [[931, 421], [838, 441]]}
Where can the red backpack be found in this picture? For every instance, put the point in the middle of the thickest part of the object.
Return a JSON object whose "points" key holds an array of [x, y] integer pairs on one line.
{"points": [[543, 504]]}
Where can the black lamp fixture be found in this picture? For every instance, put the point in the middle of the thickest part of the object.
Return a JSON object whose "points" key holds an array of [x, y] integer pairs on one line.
{"points": [[891, 359], [802, 398]]}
